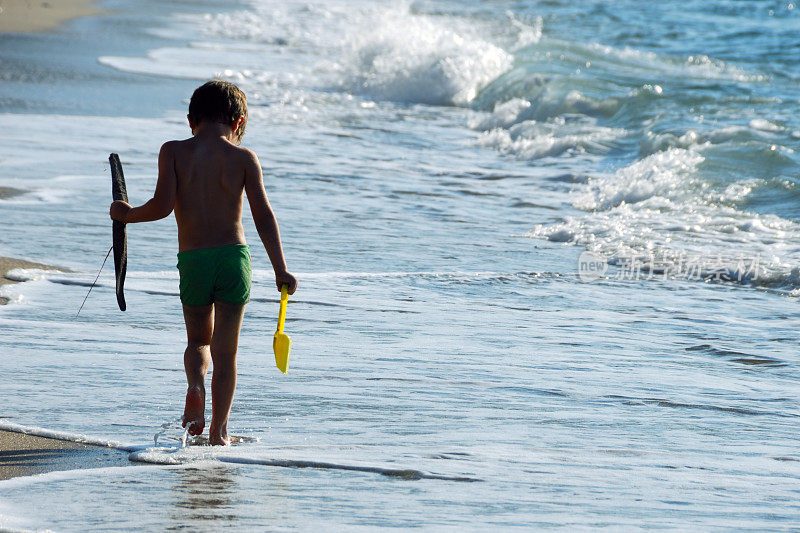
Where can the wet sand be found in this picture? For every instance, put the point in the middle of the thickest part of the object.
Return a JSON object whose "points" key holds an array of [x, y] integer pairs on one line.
{"points": [[8, 192], [25, 455], [35, 16], [7, 264]]}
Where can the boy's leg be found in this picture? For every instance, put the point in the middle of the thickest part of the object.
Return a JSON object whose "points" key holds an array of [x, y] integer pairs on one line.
{"points": [[196, 358], [224, 345]]}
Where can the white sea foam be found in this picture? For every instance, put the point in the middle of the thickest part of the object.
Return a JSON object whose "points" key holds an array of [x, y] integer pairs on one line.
{"points": [[535, 140], [765, 125], [326, 458], [412, 58], [665, 175], [27, 274], [530, 30], [381, 52], [536, 128], [61, 435], [504, 115], [657, 206], [318, 458]]}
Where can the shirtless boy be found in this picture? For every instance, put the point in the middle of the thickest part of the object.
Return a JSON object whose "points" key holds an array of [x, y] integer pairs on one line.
{"points": [[203, 179]]}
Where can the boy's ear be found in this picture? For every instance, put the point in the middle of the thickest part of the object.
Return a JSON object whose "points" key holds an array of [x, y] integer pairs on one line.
{"points": [[192, 125]]}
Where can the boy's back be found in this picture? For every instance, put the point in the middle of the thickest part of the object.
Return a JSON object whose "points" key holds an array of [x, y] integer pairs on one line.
{"points": [[210, 175]]}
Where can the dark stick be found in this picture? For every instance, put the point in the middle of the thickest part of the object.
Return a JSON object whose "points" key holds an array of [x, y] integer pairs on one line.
{"points": [[119, 192]]}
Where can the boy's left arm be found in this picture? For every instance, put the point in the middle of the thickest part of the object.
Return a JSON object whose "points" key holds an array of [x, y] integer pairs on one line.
{"points": [[163, 200]]}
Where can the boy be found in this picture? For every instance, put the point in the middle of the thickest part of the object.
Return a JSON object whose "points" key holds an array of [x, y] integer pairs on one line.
{"points": [[202, 178]]}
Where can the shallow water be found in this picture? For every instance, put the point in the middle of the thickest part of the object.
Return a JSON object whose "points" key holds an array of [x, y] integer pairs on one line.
{"points": [[437, 170]]}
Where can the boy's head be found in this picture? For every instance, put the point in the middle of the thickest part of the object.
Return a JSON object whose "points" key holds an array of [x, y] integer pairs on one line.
{"points": [[219, 101]]}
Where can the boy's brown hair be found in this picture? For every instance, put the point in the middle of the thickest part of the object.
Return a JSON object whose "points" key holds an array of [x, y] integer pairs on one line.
{"points": [[219, 101]]}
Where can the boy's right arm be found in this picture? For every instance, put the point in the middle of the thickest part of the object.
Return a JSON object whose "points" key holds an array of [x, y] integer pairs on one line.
{"points": [[163, 200], [265, 220]]}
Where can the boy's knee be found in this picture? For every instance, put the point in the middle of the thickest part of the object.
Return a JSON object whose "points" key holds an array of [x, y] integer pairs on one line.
{"points": [[223, 352], [197, 346], [224, 371], [223, 360]]}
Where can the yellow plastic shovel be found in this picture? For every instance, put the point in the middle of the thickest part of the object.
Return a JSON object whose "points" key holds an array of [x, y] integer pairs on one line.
{"points": [[281, 343]]}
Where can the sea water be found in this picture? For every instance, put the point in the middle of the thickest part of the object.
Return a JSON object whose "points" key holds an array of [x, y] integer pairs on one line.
{"points": [[440, 170]]}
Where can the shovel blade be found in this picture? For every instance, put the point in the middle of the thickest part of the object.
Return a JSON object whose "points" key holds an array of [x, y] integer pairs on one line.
{"points": [[281, 345]]}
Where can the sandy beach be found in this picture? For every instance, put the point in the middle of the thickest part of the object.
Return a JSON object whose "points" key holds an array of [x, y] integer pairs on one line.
{"points": [[34, 16], [25, 455]]}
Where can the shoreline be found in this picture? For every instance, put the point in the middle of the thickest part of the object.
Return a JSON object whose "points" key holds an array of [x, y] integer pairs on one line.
{"points": [[7, 264], [26, 455], [9, 192], [21, 16]]}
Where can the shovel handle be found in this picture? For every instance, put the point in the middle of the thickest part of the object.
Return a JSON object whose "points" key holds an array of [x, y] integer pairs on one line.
{"points": [[282, 312]]}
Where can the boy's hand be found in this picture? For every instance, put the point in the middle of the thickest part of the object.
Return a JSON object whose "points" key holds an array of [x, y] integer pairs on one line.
{"points": [[284, 278], [119, 210]]}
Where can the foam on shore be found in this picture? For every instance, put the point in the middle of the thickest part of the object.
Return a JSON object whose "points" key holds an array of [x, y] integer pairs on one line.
{"points": [[29, 450], [8, 264]]}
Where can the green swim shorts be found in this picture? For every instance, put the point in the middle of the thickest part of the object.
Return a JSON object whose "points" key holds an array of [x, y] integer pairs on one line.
{"points": [[210, 274]]}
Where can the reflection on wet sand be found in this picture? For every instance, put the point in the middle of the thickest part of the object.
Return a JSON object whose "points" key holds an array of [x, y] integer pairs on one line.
{"points": [[204, 494]]}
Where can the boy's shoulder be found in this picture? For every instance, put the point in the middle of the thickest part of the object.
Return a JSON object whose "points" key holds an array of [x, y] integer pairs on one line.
{"points": [[176, 143], [170, 147], [245, 156], [245, 153]]}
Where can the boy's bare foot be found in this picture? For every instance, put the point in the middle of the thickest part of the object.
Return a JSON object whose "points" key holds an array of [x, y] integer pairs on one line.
{"points": [[218, 437], [194, 412], [219, 441]]}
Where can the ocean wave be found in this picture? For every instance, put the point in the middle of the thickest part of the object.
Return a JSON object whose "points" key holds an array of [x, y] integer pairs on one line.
{"points": [[700, 66], [394, 54], [760, 132], [714, 187], [664, 175], [420, 61], [549, 125], [380, 52], [535, 140], [555, 80]]}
